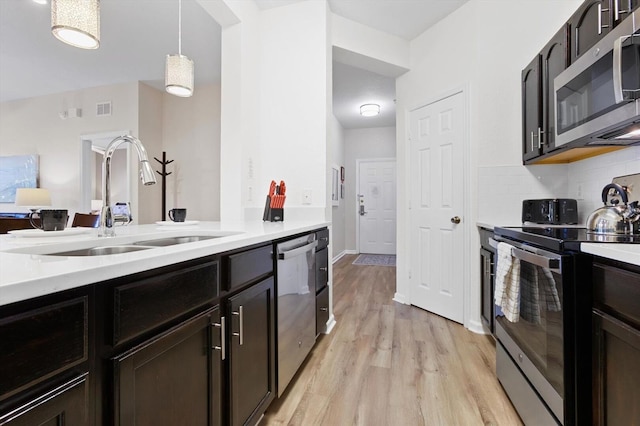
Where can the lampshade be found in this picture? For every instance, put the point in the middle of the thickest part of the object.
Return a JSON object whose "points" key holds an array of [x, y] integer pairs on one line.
{"points": [[179, 75], [33, 197], [76, 22], [369, 110]]}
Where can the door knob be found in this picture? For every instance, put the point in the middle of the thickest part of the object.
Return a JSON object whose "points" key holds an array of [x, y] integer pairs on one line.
{"points": [[455, 220]]}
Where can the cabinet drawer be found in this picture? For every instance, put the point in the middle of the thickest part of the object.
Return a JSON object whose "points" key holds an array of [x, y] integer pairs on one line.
{"points": [[617, 291], [249, 265], [322, 268], [66, 404], [322, 310], [41, 343], [323, 238], [149, 303]]}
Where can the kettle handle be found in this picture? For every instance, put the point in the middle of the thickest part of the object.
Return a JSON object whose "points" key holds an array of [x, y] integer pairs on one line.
{"points": [[619, 189]]}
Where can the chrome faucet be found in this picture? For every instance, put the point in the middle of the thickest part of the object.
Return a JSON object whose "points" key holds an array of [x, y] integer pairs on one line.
{"points": [[146, 176]]}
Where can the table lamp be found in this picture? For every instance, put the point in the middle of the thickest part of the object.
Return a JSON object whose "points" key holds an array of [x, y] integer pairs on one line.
{"points": [[33, 198]]}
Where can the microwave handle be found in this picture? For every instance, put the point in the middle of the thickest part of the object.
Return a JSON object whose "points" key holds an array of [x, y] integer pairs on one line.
{"points": [[618, 90]]}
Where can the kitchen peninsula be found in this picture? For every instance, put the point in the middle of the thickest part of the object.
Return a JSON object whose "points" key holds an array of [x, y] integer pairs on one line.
{"points": [[111, 339]]}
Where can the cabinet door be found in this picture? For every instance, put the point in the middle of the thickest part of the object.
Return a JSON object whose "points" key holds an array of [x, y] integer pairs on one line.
{"points": [[622, 9], [487, 287], [251, 352], [588, 25], [172, 379], [616, 371], [531, 109], [554, 61], [64, 405]]}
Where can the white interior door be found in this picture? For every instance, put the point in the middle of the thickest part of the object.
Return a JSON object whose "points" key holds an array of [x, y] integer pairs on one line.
{"points": [[437, 175], [377, 206]]}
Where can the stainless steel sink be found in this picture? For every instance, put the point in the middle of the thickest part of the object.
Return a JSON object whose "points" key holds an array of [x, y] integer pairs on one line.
{"points": [[162, 242], [101, 251]]}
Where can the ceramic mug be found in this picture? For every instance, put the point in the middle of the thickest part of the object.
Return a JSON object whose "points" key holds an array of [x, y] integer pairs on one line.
{"points": [[178, 215], [51, 220]]}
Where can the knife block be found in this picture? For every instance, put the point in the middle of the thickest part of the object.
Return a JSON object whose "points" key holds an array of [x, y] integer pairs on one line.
{"points": [[275, 215]]}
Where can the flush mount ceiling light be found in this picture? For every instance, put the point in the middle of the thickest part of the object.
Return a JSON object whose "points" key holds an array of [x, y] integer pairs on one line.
{"points": [[178, 76], [369, 110], [76, 22]]}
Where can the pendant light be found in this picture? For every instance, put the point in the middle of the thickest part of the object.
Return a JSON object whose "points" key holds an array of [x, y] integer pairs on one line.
{"points": [[76, 22], [178, 75]]}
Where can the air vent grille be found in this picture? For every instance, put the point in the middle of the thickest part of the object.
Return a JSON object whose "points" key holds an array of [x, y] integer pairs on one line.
{"points": [[103, 109]]}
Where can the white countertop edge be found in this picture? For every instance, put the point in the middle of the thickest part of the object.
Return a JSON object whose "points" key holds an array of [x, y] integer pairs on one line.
{"points": [[25, 276], [628, 253]]}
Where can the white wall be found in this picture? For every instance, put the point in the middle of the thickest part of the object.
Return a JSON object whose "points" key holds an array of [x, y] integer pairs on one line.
{"points": [[191, 129], [337, 143], [191, 126], [277, 75], [482, 46], [33, 126], [360, 144]]}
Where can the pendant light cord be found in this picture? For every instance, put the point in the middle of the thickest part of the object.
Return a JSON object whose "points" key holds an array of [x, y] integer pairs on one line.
{"points": [[179, 27]]}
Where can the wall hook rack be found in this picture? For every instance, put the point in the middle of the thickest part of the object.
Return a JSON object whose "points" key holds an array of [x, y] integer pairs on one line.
{"points": [[164, 175]]}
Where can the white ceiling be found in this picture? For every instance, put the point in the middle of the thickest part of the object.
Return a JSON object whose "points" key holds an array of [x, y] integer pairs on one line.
{"points": [[34, 63]]}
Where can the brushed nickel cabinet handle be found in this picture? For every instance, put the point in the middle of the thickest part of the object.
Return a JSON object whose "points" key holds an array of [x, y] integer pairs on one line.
{"points": [[324, 309], [240, 314], [323, 269], [222, 348]]}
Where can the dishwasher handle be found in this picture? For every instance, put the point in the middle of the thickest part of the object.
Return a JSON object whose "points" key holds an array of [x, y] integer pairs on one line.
{"points": [[298, 250]]}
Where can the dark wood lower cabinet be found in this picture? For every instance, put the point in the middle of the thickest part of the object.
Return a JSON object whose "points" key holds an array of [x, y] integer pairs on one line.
{"points": [[66, 404], [173, 379], [616, 344], [616, 388], [251, 352]]}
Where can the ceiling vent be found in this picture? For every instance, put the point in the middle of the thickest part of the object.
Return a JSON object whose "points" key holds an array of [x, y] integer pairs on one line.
{"points": [[103, 109]]}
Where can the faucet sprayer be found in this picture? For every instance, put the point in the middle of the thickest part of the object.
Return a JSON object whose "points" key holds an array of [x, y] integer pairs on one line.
{"points": [[146, 176]]}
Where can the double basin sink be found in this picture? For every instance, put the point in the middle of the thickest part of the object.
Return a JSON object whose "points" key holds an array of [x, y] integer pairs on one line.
{"points": [[135, 246]]}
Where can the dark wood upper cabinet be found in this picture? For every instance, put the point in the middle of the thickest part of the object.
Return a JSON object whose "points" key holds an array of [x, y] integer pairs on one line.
{"points": [[531, 109], [622, 9], [554, 60], [591, 22]]}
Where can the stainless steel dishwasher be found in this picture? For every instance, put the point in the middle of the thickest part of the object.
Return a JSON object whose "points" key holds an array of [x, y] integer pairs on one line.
{"points": [[296, 290]]}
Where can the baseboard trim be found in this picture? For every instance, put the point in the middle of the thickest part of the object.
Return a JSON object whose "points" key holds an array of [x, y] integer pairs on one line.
{"points": [[331, 322], [398, 297], [342, 254], [476, 327]]}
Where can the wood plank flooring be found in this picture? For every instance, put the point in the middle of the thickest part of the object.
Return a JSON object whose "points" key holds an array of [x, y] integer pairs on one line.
{"points": [[391, 364]]}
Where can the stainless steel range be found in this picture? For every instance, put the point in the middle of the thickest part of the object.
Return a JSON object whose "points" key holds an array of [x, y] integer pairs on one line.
{"points": [[543, 352]]}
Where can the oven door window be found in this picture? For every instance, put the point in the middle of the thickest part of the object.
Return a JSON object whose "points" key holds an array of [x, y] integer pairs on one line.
{"points": [[539, 330]]}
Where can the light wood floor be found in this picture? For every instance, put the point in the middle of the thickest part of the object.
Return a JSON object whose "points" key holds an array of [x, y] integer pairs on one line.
{"points": [[391, 364]]}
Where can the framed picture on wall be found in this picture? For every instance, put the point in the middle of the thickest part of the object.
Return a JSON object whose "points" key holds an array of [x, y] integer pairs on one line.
{"points": [[335, 186], [341, 174], [17, 171]]}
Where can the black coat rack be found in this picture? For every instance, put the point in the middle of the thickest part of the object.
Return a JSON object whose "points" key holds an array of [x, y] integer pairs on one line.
{"points": [[164, 175]]}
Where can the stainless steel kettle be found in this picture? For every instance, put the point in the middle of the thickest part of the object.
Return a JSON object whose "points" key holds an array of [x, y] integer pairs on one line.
{"points": [[617, 216]]}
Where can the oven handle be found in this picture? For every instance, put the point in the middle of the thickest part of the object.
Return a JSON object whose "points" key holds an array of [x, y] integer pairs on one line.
{"points": [[536, 259], [539, 259]]}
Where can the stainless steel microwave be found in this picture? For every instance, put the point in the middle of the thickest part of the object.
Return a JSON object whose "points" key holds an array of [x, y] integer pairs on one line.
{"points": [[597, 97]]}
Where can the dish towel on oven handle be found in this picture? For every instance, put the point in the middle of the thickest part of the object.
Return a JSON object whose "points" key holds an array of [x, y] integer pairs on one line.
{"points": [[507, 290], [538, 292]]}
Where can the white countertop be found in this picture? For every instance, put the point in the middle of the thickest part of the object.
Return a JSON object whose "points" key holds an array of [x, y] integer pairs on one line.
{"points": [[26, 271], [628, 253]]}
